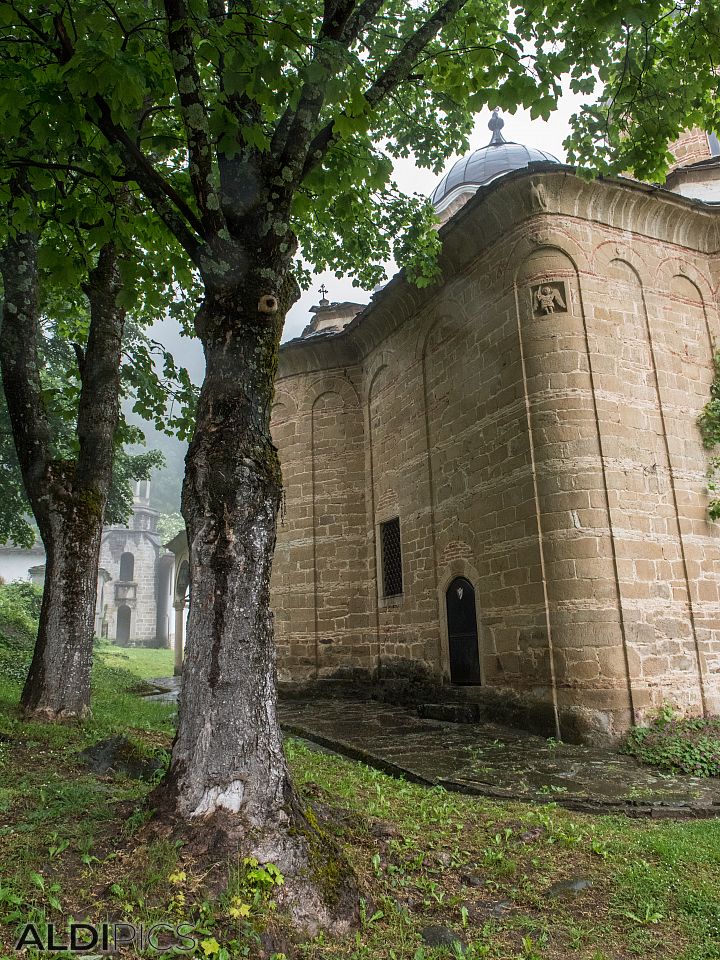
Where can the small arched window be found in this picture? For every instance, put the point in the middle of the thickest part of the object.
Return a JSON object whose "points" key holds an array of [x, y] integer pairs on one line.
{"points": [[127, 567]]}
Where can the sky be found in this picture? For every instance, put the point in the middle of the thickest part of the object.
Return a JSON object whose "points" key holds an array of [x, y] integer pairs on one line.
{"points": [[546, 135]]}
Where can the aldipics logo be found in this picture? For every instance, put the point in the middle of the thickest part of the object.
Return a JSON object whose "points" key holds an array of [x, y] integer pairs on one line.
{"points": [[85, 938]]}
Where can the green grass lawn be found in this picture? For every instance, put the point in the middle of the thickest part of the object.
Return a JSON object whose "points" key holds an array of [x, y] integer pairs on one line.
{"points": [[73, 844]]}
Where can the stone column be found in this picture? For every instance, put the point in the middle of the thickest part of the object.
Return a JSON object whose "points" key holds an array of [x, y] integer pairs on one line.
{"points": [[179, 607]]}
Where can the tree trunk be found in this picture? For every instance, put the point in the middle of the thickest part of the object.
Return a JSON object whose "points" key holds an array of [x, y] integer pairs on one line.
{"points": [[58, 684], [67, 497], [228, 769]]}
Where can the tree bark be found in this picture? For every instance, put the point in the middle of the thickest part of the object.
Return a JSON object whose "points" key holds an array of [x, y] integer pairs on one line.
{"points": [[58, 683], [67, 497], [231, 495], [228, 771]]}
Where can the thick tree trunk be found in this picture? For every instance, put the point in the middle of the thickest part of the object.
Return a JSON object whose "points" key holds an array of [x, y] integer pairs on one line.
{"points": [[228, 754], [228, 769], [67, 498], [58, 684]]}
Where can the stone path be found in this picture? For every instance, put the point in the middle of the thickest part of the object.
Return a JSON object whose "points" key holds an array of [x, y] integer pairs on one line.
{"points": [[491, 760]]}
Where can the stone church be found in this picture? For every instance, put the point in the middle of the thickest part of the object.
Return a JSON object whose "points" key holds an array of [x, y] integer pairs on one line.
{"points": [[135, 579], [498, 482]]}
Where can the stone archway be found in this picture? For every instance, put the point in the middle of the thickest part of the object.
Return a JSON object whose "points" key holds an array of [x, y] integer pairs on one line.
{"points": [[463, 640]]}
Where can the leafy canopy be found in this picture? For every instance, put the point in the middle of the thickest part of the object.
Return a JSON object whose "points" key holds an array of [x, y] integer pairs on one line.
{"points": [[651, 67], [151, 384], [200, 103], [233, 120]]}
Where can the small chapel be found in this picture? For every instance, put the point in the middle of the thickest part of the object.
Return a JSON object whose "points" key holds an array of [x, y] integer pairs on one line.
{"points": [[498, 482], [135, 577]]}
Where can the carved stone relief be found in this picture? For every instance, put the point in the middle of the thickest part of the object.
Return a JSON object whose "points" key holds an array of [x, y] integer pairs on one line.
{"points": [[548, 297]]}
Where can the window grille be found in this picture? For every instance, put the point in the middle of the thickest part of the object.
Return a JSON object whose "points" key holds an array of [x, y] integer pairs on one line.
{"points": [[391, 557]]}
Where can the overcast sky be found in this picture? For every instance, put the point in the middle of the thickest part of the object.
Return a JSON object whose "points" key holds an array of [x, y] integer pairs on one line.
{"points": [[520, 128]]}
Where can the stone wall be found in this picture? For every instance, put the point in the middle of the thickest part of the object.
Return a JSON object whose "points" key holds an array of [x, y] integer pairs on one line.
{"points": [[691, 147], [532, 422]]}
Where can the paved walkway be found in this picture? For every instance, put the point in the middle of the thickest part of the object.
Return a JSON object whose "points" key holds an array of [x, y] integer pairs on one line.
{"points": [[491, 760]]}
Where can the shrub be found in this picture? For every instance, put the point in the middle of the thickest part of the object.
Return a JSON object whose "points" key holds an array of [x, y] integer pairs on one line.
{"points": [[19, 613], [680, 745]]}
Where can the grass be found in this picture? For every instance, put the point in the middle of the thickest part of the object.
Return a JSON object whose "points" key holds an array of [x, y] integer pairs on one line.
{"points": [[72, 844]]}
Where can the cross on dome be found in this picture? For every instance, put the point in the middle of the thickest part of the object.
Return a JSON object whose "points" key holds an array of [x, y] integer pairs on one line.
{"points": [[488, 163], [496, 123]]}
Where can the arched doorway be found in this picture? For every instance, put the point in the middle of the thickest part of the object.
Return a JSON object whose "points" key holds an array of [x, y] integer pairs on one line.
{"points": [[462, 632], [122, 631]]}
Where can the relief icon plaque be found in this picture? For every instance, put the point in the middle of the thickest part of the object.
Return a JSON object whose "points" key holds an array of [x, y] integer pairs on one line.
{"points": [[549, 297]]}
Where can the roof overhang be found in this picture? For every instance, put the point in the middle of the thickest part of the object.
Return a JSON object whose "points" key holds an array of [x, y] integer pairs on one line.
{"points": [[492, 212]]}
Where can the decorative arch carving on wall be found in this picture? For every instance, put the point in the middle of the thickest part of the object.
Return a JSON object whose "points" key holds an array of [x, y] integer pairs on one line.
{"points": [[663, 281], [449, 311], [672, 274], [617, 251], [449, 319], [284, 427], [374, 367], [544, 237], [683, 288], [377, 366], [317, 388], [286, 400], [278, 413], [321, 389], [679, 267], [182, 581]]}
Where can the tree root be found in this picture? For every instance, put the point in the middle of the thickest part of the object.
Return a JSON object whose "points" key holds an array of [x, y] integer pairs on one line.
{"points": [[320, 890], [47, 714]]}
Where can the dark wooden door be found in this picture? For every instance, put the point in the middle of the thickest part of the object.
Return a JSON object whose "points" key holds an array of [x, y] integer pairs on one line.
{"points": [[122, 631], [462, 632]]}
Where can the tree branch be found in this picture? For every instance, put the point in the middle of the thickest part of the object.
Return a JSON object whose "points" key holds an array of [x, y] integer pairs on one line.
{"points": [[194, 114], [20, 363], [99, 406], [335, 17], [294, 129], [397, 70], [355, 25], [167, 202]]}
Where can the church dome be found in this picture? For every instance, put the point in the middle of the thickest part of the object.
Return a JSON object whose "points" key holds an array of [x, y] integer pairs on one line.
{"points": [[488, 163]]}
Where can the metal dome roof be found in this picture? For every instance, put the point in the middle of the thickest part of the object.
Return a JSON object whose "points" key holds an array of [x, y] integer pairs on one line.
{"points": [[481, 166]]}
